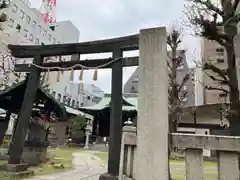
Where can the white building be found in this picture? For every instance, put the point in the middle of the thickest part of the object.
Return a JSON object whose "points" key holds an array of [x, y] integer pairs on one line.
{"points": [[76, 95], [199, 89], [25, 25], [33, 30], [131, 86]]}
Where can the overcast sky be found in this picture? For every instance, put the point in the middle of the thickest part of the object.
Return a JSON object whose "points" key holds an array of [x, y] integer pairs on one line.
{"points": [[97, 19]]}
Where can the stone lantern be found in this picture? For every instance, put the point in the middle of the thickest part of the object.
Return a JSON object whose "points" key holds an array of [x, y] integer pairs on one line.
{"points": [[88, 132], [129, 122]]}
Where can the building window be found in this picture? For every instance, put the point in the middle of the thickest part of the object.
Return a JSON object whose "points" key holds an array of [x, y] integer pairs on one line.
{"points": [[68, 101], [31, 37], [42, 43], [220, 60], [58, 42], [59, 96], [77, 104], [14, 8], [73, 103], [135, 80], [44, 33], [34, 24], [49, 37], [11, 22], [28, 19], [64, 99], [18, 27], [54, 40], [54, 94], [220, 51], [37, 41], [25, 33], [39, 29], [133, 89], [21, 14]]}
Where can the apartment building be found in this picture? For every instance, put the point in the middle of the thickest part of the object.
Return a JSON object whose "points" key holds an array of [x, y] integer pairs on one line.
{"points": [[131, 86], [213, 53], [25, 25], [77, 95]]}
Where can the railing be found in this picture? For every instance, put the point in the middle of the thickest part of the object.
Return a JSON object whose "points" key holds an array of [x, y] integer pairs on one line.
{"points": [[227, 149]]}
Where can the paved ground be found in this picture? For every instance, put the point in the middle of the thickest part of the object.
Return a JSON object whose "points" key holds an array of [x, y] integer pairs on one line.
{"points": [[88, 167]]}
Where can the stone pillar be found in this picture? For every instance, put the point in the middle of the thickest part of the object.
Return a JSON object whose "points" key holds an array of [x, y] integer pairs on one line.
{"points": [[152, 129]]}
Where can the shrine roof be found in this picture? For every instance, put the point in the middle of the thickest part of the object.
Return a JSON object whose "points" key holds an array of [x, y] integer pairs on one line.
{"points": [[77, 112], [129, 103], [12, 97]]}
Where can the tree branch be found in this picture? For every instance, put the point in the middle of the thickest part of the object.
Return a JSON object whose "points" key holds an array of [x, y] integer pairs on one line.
{"points": [[220, 72], [209, 5], [216, 88], [222, 82], [235, 4], [185, 79]]}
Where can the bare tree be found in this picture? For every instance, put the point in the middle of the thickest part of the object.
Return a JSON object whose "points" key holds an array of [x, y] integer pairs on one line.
{"points": [[7, 73], [217, 20], [176, 92]]}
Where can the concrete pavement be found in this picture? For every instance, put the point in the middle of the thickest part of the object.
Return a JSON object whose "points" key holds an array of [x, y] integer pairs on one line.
{"points": [[86, 167]]}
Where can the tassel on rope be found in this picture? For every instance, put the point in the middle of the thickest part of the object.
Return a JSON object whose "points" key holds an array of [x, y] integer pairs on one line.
{"points": [[72, 75], [81, 75], [58, 76], [95, 75]]}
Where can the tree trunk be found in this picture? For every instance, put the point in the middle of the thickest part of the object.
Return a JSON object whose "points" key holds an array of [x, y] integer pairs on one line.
{"points": [[234, 115], [231, 31], [173, 118]]}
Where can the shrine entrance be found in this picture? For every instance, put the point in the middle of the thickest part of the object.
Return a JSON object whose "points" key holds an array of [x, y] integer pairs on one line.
{"points": [[116, 63]]}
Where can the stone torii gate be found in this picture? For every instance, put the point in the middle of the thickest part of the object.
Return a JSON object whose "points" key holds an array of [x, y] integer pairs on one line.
{"points": [[152, 46]]}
